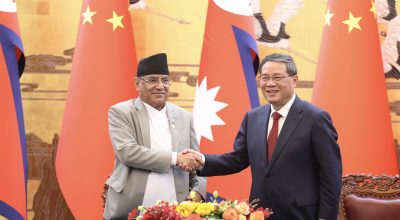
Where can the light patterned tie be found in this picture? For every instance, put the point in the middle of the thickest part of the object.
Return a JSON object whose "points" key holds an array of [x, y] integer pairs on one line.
{"points": [[273, 135]]}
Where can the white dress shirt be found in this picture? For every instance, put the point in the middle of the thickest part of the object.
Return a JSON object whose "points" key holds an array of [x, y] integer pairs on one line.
{"points": [[160, 186], [284, 111]]}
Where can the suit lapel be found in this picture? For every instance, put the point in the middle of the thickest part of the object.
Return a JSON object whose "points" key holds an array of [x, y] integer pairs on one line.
{"points": [[263, 128], [143, 118], [291, 122], [172, 117]]}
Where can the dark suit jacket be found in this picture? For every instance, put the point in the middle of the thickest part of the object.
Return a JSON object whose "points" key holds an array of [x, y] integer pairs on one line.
{"points": [[303, 179]]}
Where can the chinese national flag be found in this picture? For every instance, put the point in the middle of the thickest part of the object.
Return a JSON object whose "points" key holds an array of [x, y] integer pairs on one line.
{"points": [[226, 87], [350, 84], [103, 70], [13, 158]]}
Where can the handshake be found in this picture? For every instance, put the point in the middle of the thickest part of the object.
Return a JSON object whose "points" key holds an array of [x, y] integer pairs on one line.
{"points": [[189, 160]]}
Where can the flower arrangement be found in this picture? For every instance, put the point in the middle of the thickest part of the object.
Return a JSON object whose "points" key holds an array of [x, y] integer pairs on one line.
{"points": [[187, 210]]}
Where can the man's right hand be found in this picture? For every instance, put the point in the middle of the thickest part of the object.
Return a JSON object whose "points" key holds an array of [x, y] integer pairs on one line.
{"points": [[189, 160]]}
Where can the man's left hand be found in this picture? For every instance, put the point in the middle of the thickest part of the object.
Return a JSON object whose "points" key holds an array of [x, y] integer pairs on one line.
{"points": [[194, 196]]}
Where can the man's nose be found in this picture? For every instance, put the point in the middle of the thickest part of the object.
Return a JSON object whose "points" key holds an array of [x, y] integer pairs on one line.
{"points": [[160, 84], [271, 83]]}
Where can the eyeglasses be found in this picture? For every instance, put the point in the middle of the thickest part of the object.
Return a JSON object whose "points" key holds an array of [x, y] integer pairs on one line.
{"points": [[154, 81], [274, 78]]}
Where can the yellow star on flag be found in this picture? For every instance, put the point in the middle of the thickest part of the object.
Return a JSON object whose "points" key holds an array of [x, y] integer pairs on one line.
{"points": [[328, 17], [352, 22], [116, 21], [373, 8], [87, 15]]}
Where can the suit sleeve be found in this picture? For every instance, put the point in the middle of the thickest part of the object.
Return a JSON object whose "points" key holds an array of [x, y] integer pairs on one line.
{"points": [[232, 162], [327, 154], [123, 137], [196, 183]]}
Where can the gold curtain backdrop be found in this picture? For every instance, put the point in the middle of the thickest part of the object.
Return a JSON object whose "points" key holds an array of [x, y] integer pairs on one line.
{"points": [[49, 30]]}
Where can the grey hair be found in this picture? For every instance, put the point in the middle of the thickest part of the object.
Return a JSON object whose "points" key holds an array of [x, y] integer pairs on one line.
{"points": [[281, 57]]}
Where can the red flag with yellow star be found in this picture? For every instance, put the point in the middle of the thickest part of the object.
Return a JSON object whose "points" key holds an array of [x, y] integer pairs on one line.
{"points": [[103, 70], [350, 84]]}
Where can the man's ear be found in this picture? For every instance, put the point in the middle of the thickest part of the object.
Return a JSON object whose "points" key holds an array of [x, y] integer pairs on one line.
{"points": [[295, 79], [137, 81]]}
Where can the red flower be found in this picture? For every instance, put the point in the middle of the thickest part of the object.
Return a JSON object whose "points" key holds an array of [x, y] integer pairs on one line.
{"points": [[267, 212], [162, 211], [133, 214]]}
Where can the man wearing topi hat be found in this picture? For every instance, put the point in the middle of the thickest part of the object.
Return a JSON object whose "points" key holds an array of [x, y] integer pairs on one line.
{"points": [[146, 133]]}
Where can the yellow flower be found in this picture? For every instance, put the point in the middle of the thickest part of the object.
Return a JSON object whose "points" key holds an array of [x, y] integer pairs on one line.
{"points": [[204, 209], [242, 208], [223, 205], [185, 208], [215, 194], [257, 215]]}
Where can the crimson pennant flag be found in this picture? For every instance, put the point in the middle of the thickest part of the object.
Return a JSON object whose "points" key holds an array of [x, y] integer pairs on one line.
{"points": [[13, 157], [226, 87], [103, 70], [350, 84]]}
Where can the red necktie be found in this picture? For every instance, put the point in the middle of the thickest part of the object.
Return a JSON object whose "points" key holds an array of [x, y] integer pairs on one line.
{"points": [[273, 135]]}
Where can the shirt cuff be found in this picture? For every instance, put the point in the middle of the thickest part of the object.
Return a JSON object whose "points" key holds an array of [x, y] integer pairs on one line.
{"points": [[203, 159], [174, 158]]}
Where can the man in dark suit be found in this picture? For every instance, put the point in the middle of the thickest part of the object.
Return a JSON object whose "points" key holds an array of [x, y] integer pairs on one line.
{"points": [[296, 165]]}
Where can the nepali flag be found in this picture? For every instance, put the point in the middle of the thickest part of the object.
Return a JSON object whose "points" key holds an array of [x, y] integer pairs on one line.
{"points": [[13, 158], [226, 87]]}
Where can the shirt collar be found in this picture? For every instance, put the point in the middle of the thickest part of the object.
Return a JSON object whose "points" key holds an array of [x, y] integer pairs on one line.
{"points": [[154, 112], [284, 111]]}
